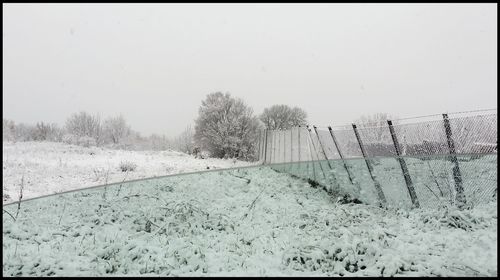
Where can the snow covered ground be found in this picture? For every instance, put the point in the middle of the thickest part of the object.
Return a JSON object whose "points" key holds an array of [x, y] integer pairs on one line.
{"points": [[50, 167], [251, 221]]}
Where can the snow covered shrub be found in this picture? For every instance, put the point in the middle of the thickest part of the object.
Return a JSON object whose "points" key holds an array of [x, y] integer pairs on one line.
{"points": [[69, 138], [23, 132], [8, 130], [99, 173], [86, 141], [347, 255], [157, 142], [85, 125], [127, 166], [201, 154], [450, 216], [185, 142], [46, 132], [116, 129], [226, 127]]}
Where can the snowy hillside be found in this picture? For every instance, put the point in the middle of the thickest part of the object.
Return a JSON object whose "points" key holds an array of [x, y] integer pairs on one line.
{"points": [[51, 167], [247, 222]]}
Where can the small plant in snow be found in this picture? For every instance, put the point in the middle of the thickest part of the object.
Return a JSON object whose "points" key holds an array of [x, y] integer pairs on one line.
{"points": [[127, 166], [99, 173]]}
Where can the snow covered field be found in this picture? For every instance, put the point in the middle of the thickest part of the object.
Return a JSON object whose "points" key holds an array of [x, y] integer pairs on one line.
{"points": [[51, 167], [250, 221]]}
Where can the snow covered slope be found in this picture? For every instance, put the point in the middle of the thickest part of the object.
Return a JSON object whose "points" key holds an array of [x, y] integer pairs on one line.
{"points": [[247, 222]]}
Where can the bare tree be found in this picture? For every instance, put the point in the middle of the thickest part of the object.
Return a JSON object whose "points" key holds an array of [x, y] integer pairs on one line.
{"points": [[226, 127], [23, 132], [115, 129], [378, 126], [283, 117], [85, 125], [134, 141], [185, 141], [46, 132], [9, 132], [159, 142]]}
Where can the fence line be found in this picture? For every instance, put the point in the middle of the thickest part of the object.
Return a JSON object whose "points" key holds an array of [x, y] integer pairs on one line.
{"points": [[454, 137]]}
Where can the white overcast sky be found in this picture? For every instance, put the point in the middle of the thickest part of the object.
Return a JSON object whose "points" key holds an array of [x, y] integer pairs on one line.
{"points": [[154, 63]]}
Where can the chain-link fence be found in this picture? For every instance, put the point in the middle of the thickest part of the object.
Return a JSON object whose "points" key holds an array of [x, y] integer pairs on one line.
{"points": [[409, 161]]}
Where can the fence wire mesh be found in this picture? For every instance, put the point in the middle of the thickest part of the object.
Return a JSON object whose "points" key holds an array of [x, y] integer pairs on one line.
{"points": [[446, 159]]}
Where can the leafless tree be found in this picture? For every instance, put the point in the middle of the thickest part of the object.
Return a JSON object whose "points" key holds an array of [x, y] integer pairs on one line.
{"points": [[159, 142], [46, 132], [185, 141], [377, 127], [115, 129], [283, 117], [9, 130], [85, 125]]}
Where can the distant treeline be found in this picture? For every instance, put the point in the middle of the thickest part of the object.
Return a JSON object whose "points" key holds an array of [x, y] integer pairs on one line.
{"points": [[89, 130]]}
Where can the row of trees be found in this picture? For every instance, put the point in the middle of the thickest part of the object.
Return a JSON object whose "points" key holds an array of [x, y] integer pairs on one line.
{"points": [[88, 130], [79, 127], [226, 126]]}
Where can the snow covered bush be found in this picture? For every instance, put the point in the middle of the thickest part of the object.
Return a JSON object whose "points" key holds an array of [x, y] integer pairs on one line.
{"points": [[226, 127], [127, 166], [69, 138], [157, 142], [47, 132], [86, 141], [85, 125], [185, 142], [8, 130], [115, 129], [23, 132]]}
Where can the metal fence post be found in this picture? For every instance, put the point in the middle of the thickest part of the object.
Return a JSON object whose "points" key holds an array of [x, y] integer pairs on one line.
{"points": [[457, 176], [298, 143], [279, 147], [271, 149], [259, 147], [274, 146], [380, 192], [265, 146], [284, 145], [340, 154], [316, 152], [310, 155], [321, 145], [324, 153], [290, 166], [404, 168]]}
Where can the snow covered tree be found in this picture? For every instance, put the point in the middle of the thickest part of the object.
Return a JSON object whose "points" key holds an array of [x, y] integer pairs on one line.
{"points": [[283, 117], [46, 132], [185, 141], [226, 127], [159, 142], [115, 129], [9, 132], [85, 125], [380, 132]]}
